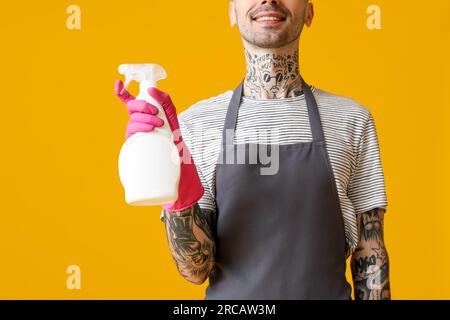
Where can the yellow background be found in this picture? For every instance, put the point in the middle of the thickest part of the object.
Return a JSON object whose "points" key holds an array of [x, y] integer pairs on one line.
{"points": [[62, 128]]}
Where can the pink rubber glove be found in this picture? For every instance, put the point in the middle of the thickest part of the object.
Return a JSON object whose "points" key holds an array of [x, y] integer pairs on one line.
{"points": [[143, 118]]}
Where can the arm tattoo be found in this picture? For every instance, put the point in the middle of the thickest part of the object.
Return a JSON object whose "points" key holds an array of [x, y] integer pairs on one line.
{"points": [[272, 76], [190, 237], [370, 261]]}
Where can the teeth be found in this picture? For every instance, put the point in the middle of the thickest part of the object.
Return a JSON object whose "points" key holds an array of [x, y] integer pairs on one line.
{"points": [[268, 19]]}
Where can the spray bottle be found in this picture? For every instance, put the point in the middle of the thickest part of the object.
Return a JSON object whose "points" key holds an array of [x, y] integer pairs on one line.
{"points": [[149, 162]]}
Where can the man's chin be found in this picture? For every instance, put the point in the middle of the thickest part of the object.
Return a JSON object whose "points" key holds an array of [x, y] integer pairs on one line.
{"points": [[270, 42]]}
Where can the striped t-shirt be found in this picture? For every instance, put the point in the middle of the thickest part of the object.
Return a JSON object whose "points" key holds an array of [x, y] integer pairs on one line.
{"points": [[350, 137]]}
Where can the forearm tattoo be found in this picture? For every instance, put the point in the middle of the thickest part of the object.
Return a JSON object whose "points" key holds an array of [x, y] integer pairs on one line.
{"points": [[272, 76], [370, 261], [191, 241]]}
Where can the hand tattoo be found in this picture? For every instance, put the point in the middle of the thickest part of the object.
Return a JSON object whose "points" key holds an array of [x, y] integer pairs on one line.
{"points": [[370, 261]]}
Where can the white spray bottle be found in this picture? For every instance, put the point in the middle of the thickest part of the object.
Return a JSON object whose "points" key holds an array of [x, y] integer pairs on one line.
{"points": [[149, 162]]}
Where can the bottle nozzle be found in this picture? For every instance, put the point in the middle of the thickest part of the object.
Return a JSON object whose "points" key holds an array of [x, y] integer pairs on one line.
{"points": [[142, 72]]}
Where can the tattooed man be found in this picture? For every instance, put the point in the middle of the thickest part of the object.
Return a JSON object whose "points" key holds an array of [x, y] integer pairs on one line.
{"points": [[284, 234]]}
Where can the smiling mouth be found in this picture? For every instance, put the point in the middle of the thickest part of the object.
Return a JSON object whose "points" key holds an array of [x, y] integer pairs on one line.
{"points": [[268, 19], [271, 17]]}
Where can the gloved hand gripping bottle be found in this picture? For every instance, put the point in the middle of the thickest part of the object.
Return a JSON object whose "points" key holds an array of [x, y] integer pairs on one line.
{"points": [[149, 162]]}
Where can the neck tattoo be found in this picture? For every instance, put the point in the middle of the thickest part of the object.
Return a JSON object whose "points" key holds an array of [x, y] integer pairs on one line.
{"points": [[272, 76]]}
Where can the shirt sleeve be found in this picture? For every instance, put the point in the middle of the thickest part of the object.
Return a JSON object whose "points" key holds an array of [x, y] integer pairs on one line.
{"points": [[207, 200], [366, 189]]}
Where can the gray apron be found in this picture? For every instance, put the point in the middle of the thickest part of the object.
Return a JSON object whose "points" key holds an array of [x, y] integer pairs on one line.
{"points": [[278, 236]]}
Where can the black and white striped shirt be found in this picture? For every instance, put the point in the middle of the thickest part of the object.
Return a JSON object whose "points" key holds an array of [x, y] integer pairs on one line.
{"points": [[350, 136]]}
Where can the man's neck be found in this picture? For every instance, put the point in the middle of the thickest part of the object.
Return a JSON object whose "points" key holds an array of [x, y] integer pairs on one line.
{"points": [[272, 74]]}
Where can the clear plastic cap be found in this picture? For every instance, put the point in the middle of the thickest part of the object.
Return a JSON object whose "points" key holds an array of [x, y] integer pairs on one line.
{"points": [[142, 72]]}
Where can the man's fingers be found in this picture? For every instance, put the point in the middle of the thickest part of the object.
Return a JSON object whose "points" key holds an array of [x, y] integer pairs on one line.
{"points": [[147, 119], [141, 106], [124, 96], [138, 127], [118, 86]]}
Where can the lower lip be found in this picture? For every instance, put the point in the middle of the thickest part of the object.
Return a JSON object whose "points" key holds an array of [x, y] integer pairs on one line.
{"points": [[269, 22]]}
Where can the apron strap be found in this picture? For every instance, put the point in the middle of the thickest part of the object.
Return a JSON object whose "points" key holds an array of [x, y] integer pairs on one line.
{"points": [[313, 113], [233, 109]]}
